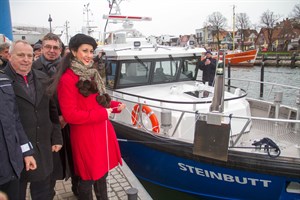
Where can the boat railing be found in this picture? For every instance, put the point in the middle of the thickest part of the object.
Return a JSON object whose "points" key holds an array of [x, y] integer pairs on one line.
{"points": [[161, 105], [257, 89]]}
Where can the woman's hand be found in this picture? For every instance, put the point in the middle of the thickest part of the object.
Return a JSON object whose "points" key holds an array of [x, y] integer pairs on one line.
{"points": [[109, 110], [121, 106]]}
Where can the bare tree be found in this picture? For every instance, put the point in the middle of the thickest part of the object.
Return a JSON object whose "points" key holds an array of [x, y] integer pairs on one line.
{"points": [[218, 22], [269, 20], [242, 23], [296, 12]]}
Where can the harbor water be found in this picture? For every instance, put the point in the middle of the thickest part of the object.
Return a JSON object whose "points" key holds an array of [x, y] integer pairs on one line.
{"points": [[280, 75]]}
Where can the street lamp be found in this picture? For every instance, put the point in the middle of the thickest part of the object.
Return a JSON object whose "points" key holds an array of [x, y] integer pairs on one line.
{"points": [[50, 20]]}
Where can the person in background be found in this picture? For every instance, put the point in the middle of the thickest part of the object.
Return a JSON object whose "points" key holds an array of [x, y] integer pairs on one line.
{"points": [[99, 64], [16, 149], [86, 107], [52, 48], [39, 117], [37, 51], [208, 67], [65, 50], [4, 48]]}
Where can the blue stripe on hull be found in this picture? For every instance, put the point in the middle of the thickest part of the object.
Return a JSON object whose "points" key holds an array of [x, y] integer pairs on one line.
{"points": [[201, 179]]}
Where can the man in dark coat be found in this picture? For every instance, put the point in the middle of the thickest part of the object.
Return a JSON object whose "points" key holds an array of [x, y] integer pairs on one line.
{"points": [[208, 66], [15, 147], [47, 63], [39, 118]]}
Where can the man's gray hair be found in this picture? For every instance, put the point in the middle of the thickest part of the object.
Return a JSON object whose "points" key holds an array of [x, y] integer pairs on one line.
{"points": [[11, 48], [4, 46]]}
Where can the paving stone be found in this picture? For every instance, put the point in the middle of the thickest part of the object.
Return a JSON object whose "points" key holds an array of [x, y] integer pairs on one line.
{"points": [[117, 186]]}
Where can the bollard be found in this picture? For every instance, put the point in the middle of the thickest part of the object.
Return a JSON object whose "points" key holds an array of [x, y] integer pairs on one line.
{"points": [[132, 193]]}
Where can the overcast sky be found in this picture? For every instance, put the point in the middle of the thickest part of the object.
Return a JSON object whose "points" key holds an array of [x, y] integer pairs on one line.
{"points": [[174, 17]]}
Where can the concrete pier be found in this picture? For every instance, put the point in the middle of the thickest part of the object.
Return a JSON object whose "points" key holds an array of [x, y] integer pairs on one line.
{"points": [[119, 180]]}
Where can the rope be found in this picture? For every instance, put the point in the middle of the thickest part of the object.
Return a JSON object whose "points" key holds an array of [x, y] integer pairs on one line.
{"points": [[107, 154]]}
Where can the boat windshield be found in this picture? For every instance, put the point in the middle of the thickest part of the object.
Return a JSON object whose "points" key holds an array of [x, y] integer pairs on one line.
{"points": [[134, 73], [155, 71]]}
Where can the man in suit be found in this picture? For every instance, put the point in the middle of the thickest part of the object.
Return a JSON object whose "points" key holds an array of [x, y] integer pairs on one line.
{"points": [[39, 117]]}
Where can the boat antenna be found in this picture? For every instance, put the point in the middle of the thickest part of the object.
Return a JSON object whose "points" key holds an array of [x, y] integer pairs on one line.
{"points": [[110, 9], [233, 28]]}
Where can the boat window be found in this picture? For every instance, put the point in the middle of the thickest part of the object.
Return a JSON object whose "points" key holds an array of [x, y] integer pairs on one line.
{"points": [[188, 69], [134, 73], [110, 74], [165, 71]]}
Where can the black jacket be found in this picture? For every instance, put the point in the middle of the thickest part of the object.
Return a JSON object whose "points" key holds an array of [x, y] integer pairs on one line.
{"points": [[209, 71], [14, 144], [40, 121]]}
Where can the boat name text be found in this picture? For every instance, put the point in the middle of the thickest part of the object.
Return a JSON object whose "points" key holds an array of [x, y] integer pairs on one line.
{"points": [[224, 177]]}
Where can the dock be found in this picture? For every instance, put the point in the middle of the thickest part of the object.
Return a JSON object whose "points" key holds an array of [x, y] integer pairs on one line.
{"points": [[119, 180]]}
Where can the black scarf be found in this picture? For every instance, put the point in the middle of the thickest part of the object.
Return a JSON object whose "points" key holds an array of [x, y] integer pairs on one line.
{"points": [[50, 66]]}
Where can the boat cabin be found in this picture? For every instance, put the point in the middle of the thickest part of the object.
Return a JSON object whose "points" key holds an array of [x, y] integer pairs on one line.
{"points": [[147, 65]]}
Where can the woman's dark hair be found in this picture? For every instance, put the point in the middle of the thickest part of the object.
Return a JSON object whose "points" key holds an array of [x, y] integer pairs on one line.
{"points": [[64, 64]]}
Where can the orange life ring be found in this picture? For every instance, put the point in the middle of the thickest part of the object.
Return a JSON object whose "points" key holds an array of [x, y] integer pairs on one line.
{"points": [[149, 113]]}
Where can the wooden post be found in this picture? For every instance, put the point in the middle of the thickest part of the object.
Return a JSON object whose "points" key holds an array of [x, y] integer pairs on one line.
{"points": [[262, 76], [293, 60], [229, 75], [277, 60]]}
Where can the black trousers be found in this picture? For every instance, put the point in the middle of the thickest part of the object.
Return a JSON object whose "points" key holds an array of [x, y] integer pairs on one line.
{"points": [[11, 189], [85, 189], [38, 189]]}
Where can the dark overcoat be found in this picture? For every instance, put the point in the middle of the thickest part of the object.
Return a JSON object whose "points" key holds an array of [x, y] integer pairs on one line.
{"points": [[14, 143], [40, 121], [63, 161]]}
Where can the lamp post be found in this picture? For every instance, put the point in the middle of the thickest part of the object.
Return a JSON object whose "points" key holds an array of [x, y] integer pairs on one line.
{"points": [[50, 20], [67, 33]]}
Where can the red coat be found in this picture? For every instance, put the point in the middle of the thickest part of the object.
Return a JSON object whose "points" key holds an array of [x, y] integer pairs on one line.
{"points": [[89, 128]]}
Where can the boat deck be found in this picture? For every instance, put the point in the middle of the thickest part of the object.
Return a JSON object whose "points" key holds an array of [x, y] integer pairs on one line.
{"points": [[284, 134]]}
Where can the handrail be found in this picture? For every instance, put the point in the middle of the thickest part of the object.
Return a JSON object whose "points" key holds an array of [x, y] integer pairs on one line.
{"points": [[219, 114], [180, 102], [264, 82]]}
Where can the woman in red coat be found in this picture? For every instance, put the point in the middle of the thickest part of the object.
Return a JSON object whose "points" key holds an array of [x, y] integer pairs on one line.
{"points": [[86, 106]]}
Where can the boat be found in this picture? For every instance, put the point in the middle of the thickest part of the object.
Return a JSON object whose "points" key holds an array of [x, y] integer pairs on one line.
{"points": [[245, 58], [237, 58], [212, 142]]}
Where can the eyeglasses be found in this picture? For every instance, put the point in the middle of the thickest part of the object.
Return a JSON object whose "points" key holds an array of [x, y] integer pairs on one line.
{"points": [[49, 47]]}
